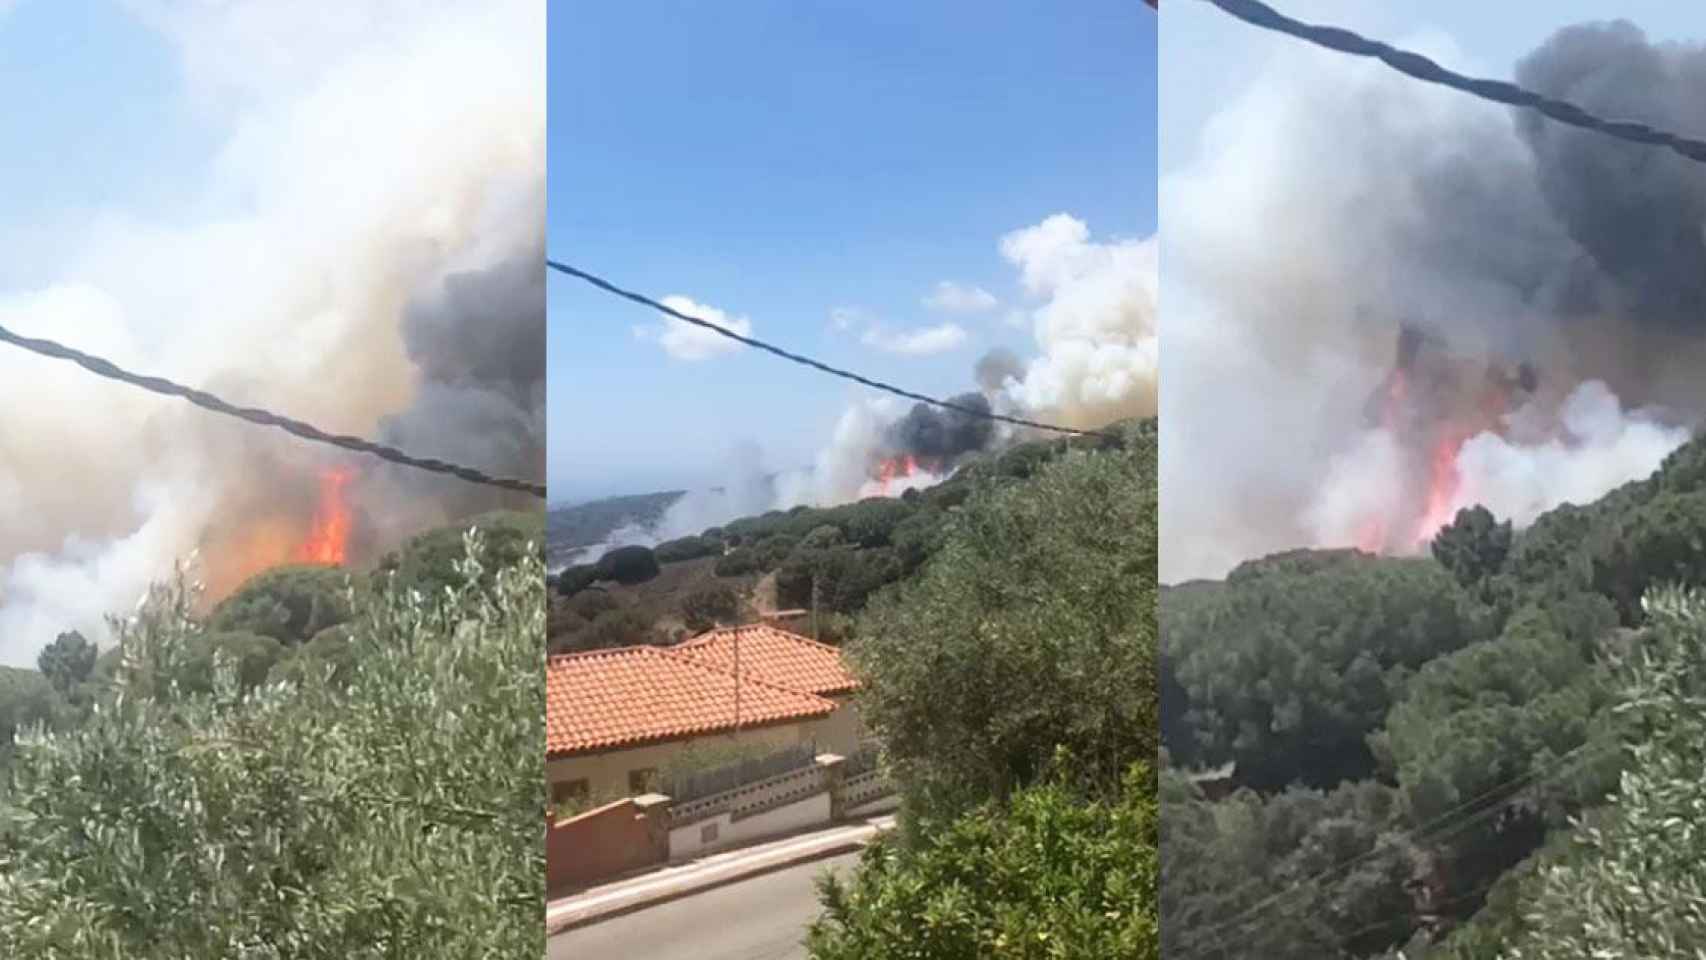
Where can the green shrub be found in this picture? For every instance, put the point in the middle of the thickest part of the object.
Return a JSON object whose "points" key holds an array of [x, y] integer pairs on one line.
{"points": [[686, 548], [616, 628], [288, 604], [592, 604], [628, 565], [576, 578], [738, 563], [1031, 629], [710, 606], [1048, 877], [396, 815], [428, 562]]}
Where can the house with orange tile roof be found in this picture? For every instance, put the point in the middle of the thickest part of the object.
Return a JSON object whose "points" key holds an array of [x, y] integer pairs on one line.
{"points": [[615, 717]]}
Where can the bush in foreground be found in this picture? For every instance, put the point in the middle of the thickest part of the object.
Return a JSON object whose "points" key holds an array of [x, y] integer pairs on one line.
{"points": [[1032, 629], [394, 814], [1048, 875], [1636, 881]]}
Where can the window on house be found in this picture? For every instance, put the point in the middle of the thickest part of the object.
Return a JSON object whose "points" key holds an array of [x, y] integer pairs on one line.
{"points": [[643, 780], [570, 791]]}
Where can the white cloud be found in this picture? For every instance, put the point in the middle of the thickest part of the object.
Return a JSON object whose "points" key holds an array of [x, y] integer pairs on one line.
{"points": [[917, 343], [685, 341], [950, 297], [845, 319]]}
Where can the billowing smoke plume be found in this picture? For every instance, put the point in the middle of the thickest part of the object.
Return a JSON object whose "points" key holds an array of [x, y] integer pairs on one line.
{"points": [[1095, 328], [937, 435], [1094, 323], [365, 256], [996, 369], [477, 338], [1338, 208]]}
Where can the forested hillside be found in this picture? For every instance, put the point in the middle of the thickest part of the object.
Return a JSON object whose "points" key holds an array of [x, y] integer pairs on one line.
{"points": [[573, 527], [833, 559], [1409, 742]]}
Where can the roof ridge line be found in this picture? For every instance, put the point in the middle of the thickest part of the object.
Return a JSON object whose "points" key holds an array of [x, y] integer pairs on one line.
{"points": [[789, 634], [741, 677]]}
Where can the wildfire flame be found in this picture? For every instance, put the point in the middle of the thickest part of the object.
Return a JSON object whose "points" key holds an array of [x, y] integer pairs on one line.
{"points": [[1434, 434], [328, 538], [1443, 483], [892, 469]]}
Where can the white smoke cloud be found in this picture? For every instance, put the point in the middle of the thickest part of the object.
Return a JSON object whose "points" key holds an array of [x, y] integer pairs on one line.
{"points": [[1097, 360], [843, 467], [686, 341], [1603, 446], [1096, 327], [364, 149], [1363, 482]]}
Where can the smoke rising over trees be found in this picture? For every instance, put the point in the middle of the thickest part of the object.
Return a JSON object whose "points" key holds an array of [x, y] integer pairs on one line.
{"points": [[1508, 238]]}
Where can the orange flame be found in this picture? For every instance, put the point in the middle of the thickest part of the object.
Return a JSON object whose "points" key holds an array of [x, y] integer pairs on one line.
{"points": [[329, 536], [1443, 483], [894, 468]]}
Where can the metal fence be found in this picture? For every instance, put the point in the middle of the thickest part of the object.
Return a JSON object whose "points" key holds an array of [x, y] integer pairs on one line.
{"points": [[863, 760], [689, 785]]}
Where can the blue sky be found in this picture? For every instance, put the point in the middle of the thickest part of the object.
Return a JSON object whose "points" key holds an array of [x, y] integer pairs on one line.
{"points": [[778, 161], [86, 140]]}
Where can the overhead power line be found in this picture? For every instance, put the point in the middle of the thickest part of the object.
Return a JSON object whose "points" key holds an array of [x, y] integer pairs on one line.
{"points": [[1420, 67], [306, 431], [646, 301]]}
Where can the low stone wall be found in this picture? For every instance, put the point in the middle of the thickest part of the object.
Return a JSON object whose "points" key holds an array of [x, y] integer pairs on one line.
{"points": [[628, 835], [722, 831], [614, 839]]}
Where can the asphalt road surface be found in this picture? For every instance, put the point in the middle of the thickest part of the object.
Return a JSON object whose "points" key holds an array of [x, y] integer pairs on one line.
{"points": [[763, 918]]}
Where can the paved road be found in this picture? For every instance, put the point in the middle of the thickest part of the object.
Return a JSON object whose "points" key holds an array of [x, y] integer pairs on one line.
{"points": [[763, 918]]}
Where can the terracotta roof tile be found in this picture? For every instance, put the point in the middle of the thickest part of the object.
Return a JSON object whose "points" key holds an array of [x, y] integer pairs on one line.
{"points": [[777, 656], [611, 699]]}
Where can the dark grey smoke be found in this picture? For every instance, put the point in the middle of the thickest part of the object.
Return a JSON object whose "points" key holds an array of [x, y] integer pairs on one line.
{"points": [[939, 436], [1573, 242], [478, 342], [1638, 212], [996, 368]]}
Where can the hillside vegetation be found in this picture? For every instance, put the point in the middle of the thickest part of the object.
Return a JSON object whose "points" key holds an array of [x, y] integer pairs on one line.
{"points": [[832, 558], [1413, 741], [570, 528], [325, 766]]}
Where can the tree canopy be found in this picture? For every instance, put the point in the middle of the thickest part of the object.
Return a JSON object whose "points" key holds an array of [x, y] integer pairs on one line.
{"points": [[1502, 737], [1045, 587], [1012, 683]]}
